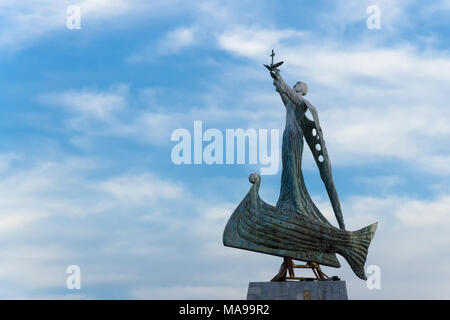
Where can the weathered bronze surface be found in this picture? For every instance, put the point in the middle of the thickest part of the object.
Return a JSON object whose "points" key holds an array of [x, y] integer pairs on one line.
{"points": [[296, 228]]}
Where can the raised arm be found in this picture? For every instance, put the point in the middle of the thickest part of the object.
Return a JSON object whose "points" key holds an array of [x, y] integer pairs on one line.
{"points": [[285, 91]]}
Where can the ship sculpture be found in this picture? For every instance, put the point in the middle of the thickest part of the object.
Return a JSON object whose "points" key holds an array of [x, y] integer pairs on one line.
{"points": [[295, 229]]}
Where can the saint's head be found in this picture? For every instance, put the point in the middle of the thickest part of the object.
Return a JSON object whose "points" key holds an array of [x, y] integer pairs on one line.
{"points": [[301, 88]]}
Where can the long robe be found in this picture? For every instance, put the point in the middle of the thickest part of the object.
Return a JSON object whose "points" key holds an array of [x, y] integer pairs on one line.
{"points": [[293, 192]]}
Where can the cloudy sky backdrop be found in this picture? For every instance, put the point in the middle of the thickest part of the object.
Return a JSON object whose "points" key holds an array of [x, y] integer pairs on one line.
{"points": [[86, 117]]}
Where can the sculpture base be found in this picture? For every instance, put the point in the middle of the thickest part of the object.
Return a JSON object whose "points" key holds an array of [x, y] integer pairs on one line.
{"points": [[297, 290]]}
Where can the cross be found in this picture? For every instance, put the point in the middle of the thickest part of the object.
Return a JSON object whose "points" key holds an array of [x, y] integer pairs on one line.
{"points": [[273, 66]]}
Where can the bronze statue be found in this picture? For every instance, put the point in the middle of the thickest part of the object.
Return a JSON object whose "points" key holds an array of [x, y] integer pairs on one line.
{"points": [[295, 228]]}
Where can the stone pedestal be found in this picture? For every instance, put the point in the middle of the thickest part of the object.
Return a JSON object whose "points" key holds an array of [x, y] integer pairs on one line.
{"points": [[297, 290]]}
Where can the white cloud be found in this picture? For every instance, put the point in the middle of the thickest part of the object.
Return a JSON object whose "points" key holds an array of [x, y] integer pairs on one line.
{"points": [[425, 213], [89, 103], [32, 266], [9, 222], [25, 22], [381, 181], [44, 210], [408, 133], [328, 63], [176, 40], [437, 11], [173, 42], [255, 42], [143, 187]]}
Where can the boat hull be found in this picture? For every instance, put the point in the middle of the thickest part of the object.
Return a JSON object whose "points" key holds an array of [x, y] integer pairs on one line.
{"points": [[260, 227]]}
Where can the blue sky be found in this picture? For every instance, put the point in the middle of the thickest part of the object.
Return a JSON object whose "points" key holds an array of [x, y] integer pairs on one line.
{"points": [[86, 118]]}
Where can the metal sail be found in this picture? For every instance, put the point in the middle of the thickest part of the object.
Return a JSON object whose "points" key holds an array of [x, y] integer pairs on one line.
{"points": [[314, 138]]}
